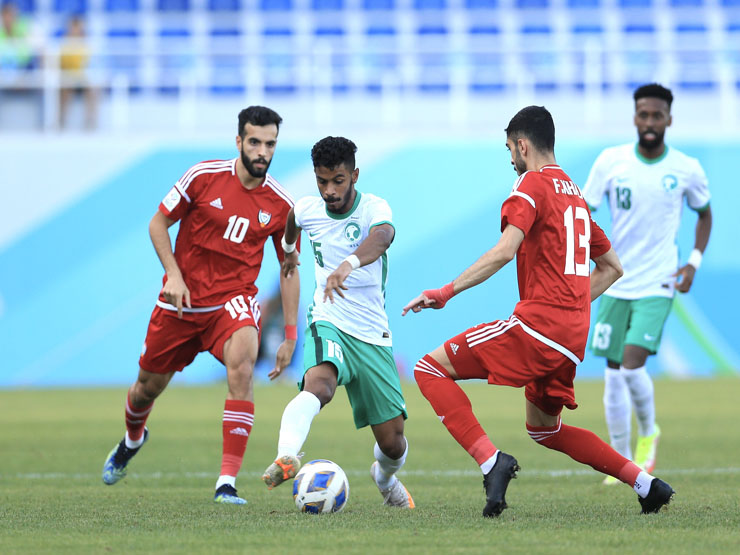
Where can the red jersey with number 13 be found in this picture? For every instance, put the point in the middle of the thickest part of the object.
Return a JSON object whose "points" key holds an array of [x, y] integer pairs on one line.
{"points": [[223, 229], [553, 261]]}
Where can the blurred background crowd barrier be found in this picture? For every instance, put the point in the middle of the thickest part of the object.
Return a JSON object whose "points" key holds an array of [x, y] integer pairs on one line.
{"points": [[104, 104]]}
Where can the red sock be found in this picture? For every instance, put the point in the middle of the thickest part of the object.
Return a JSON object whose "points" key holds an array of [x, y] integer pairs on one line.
{"points": [[453, 408], [136, 419], [587, 448], [237, 425]]}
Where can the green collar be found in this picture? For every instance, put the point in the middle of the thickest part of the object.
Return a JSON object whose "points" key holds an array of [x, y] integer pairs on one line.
{"points": [[650, 160], [349, 212]]}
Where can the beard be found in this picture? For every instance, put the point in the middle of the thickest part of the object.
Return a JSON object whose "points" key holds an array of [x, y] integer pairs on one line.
{"points": [[249, 164], [652, 143], [519, 165]]}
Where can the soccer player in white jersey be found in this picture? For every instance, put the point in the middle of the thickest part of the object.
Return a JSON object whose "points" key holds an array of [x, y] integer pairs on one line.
{"points": [[646, 184], [347, 341]]}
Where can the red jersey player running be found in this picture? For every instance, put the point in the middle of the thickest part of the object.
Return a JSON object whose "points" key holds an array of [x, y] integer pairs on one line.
{"points": [[227, 210], [546, 223]]}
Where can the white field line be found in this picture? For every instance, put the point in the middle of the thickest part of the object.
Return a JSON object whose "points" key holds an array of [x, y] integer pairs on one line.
{"points": [[420, 473]]}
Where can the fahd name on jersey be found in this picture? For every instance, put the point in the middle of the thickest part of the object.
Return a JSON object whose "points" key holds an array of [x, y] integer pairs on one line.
{"points": [[566, 187]]}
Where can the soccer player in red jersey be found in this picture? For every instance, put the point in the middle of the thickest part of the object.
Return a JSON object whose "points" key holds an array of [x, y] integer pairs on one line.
{"points": [[546, 223], [227, 210]]}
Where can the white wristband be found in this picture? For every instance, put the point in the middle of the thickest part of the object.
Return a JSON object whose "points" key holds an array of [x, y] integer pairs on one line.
{"points": [[353, 261], [287, 247], [695, 259]]}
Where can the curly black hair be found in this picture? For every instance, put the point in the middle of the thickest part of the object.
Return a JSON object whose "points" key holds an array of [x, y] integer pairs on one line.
{"points": [[330, 152], [259, 116], [654, 90]]}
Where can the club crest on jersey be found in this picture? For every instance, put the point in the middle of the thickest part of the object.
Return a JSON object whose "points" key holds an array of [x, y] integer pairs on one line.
{"points": [[352, 232], [264, 218], [669, 182]]}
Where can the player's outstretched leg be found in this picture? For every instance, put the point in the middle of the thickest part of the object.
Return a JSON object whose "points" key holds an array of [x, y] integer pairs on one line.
{"points": [[496, 482], [660, 494], [116, 463], [383, 472], [284, 468]]}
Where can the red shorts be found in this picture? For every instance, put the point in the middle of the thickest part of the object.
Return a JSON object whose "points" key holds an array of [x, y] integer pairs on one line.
{"points": [[505, 354], [172, 343]]}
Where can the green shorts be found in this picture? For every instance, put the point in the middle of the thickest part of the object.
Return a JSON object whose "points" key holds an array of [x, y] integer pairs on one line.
{"points": [[621, 322], [368, 372]]}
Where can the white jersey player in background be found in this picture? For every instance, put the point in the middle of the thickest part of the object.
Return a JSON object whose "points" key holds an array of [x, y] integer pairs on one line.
{"points": [[645, 184], [347, 340]]}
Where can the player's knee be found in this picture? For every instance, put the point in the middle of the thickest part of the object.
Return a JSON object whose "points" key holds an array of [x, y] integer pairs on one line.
{"points": [[322, 389], [427, 371]]}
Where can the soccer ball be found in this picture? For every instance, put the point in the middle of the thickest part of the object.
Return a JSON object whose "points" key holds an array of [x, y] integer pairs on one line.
{"points": [[320, 487]]}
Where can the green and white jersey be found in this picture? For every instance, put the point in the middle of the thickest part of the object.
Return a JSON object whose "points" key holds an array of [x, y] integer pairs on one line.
{"points": [[333, 238], [645, 200]]}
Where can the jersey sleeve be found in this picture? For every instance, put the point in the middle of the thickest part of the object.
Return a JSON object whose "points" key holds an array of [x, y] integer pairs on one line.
{"points": [[178, 201], [520, 208], [299, 210], [379, 213], [697, 194], [596, 184], [600, 243]]}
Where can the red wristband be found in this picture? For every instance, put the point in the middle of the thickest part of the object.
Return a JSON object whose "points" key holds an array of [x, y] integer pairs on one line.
{"points": [[291, 332], [440, 296]]}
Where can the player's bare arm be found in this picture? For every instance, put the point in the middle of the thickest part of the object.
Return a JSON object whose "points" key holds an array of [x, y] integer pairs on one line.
{"points": [[685, 274], [290, 289], [608, 269], [374, 245], [292, 232], [482, 269], [174, 291]]}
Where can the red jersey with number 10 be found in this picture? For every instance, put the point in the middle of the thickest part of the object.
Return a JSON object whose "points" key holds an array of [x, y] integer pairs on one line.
{"points": [[223, 230], [553, 261]]}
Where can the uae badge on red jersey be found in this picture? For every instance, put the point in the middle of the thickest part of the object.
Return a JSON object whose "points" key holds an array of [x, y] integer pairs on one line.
{"points": [[264, 218]]}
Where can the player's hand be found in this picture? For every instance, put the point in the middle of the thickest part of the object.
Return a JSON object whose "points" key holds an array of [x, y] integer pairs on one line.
{"points": [[431, 298], [283, 358], [290, 263], [684, 278], [335, 281], [175, 291]]}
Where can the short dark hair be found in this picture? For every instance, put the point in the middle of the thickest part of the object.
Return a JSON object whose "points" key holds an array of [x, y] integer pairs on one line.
{"points": [[535, 123], [331, 152], [654, 90], [258, 115]]}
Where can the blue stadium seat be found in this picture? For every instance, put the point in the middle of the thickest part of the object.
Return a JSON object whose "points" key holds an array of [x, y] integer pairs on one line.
{"points": [[631, 4], [327, 5], [639, 29], [70, 6], [173, 58], [587, 29], [430, 4], [432, 30], [687, 3], [121, 6], [583, 4], [276, 5], [481, 4], [123, 54], [224, 5], [25, 6], [378, 5], [532, 4], [329, 32], [226, 61], [173, 5], [730, 3]]}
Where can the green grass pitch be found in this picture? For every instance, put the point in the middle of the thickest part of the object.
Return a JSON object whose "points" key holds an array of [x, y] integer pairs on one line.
{"points": [[52, 499]]}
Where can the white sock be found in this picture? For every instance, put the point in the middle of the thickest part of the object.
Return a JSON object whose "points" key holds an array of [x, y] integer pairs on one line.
{"points": [[131, 444], [385, 477], [231, 480], [618, 411], [296, 422], [641, 390], [642, 484], [489, 464]]}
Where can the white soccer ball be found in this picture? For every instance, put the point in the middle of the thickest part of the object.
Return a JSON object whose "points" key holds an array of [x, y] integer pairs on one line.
{"points": [[321, 486]]}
